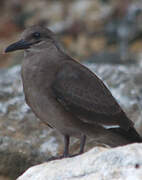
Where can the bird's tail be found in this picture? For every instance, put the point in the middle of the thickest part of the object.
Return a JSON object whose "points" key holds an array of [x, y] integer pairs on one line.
{"points": [[131, 134]]}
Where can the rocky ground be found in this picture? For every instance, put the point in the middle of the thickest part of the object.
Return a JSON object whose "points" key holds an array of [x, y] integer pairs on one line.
{"points": [[122, 163]]}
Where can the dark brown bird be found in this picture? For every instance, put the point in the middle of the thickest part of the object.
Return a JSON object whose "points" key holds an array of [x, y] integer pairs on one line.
{"points": [[67, 96]]}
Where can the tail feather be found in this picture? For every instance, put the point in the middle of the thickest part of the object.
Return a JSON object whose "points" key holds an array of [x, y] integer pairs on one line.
{"points": [[131, 134]]}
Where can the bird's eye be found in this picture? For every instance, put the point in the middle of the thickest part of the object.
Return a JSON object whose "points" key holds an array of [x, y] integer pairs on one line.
{"points": [[36, 35]]}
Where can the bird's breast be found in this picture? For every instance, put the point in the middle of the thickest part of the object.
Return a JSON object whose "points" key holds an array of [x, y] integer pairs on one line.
{"points": [[37, 80]]}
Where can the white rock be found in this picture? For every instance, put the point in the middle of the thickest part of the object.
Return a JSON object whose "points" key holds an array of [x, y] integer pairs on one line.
{"points": [[121, 163]]}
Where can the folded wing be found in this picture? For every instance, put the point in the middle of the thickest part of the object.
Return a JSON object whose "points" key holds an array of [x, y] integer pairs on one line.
{"points": [[83, 94]]}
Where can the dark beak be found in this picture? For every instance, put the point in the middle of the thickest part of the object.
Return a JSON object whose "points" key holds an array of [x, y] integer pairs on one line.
{"points": [[22, 44]]}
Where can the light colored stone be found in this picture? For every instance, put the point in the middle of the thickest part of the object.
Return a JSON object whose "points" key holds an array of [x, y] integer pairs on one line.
{"points": [[121, 163]]}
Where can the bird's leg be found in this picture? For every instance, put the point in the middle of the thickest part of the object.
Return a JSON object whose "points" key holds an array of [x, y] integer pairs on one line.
{"points": [[67, 143], [66, 148], [82, 144]]}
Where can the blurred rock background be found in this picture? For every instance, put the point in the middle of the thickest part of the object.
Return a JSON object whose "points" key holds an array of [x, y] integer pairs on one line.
{"points": [[105, 35]]}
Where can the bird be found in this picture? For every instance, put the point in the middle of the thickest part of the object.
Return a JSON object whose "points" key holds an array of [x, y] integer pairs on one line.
{"points": [[67, 96]]}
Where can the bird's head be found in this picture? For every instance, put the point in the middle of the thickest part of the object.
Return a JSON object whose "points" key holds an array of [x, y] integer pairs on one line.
{"points": [[34, 37]]}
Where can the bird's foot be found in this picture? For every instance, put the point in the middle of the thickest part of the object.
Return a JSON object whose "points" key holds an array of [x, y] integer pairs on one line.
{"points": [[63, 156]]}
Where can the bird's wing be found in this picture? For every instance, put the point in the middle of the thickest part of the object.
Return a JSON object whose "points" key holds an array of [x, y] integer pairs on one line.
{"points": [[83, 94]]}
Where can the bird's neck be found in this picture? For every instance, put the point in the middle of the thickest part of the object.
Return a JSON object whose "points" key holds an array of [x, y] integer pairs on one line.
{"points": [[50, 56], [52, 49]]}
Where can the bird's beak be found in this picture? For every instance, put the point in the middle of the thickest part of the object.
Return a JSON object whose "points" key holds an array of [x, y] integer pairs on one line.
{"points": [[22, 44]]}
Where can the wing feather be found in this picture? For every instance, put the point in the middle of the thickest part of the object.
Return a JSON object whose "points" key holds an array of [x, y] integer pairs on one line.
{"points": [[82, 93]]}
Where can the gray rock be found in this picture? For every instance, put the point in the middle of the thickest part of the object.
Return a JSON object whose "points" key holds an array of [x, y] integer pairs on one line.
{"points": [[25, 141], [122, 163]]}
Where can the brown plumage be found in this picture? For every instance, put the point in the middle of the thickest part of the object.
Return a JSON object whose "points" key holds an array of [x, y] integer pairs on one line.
{"points": [[68, 96]]}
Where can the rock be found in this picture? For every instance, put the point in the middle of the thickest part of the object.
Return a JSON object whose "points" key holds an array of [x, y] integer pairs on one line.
{"points": [[123, 163], [25, 141]]}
